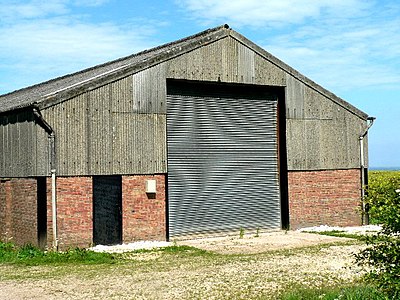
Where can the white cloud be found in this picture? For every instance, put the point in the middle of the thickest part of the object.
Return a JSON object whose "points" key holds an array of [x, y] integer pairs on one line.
{"points": [[11, 10], [340, 56], [270, 13], [19, 10], [338, 43], [45, 41]]}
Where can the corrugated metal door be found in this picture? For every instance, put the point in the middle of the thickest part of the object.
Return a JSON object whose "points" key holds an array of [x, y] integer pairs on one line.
{"points": [[222, 159]]}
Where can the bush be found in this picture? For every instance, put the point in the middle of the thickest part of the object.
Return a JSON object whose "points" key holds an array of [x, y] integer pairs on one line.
{"points": [[382, 198], [382, 256]]}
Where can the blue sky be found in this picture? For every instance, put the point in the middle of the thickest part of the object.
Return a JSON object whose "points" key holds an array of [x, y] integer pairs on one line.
{"points": [[351, 47]]}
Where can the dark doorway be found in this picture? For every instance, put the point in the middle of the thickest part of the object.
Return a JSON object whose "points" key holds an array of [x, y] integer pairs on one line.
{"points": [[41, 212], [107, 210], [283, 166]]}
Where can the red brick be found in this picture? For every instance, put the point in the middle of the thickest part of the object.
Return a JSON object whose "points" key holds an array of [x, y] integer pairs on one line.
{"points": [[329, 197], [74, 212], [18, 210], [143, 218]]}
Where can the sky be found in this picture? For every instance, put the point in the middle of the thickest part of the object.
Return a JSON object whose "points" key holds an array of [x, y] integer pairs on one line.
{"points": [[350, 47]]}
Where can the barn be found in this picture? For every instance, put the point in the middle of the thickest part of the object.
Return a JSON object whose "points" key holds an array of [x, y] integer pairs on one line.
{"points": [[206, 135]]}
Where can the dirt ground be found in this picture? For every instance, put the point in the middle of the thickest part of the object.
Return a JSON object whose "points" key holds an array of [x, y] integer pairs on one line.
{"points": [[267, 241], [252, 272]]}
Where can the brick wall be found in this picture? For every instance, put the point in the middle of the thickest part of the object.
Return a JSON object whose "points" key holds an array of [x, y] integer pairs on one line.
{"points": [[5, 203], [324, 198], [18, 210], [74, 212], [143, 217]]}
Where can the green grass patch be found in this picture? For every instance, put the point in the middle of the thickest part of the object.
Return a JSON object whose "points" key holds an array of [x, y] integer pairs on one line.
{"points": [[31, 255], [339, 293], [338, 233]]}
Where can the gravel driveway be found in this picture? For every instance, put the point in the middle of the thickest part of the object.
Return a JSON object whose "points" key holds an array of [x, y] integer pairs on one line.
{"points": [[246, 268]]}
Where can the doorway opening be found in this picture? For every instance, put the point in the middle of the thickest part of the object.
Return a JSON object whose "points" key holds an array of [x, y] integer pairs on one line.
{"points": [[107, 210]]}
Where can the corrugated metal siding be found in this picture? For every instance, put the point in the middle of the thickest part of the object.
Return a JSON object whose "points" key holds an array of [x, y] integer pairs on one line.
{"points": [[110, 131], [114, 129], [42, 148], [222, 164], [325, 137], [294, 98], [149, 90], [226, 61], [18, 145]]}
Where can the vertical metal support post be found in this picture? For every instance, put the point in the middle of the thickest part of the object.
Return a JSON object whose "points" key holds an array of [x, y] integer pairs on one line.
{"points": [[365, 216], [54, 208], [52, 157], [365, 219], [53, 190]]}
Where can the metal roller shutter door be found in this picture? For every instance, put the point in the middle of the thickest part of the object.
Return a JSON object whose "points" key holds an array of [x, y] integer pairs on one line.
{"points": [[222, 163]]}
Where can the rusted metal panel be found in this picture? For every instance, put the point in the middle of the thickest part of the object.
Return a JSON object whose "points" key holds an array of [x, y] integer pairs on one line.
{"points": [[68, 120]]}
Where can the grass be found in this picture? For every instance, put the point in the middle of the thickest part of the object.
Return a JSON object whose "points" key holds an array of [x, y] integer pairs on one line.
{"points": [[355, 292], [30, 255], [193, 272], [338, 233]]}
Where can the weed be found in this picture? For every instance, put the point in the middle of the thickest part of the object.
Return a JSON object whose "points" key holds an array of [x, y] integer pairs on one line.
{"points": [[241, 232]]}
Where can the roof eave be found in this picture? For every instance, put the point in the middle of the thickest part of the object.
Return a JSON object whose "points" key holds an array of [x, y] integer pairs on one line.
{"points": [[173, 50]]}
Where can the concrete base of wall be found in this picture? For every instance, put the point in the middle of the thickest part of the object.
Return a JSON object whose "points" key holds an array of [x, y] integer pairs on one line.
{"points": [[324, 198]]}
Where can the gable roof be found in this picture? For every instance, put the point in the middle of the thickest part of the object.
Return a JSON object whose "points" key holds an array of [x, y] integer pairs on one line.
{"points": [[73, 84]]}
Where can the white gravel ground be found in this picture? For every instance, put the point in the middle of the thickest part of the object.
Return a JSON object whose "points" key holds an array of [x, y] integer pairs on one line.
{"points": [[353, 230], [156, 275], [266, 241], [148, 245]]}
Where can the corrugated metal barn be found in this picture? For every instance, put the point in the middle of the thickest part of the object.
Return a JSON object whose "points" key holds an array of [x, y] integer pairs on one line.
{"points": [[205, 135]]}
